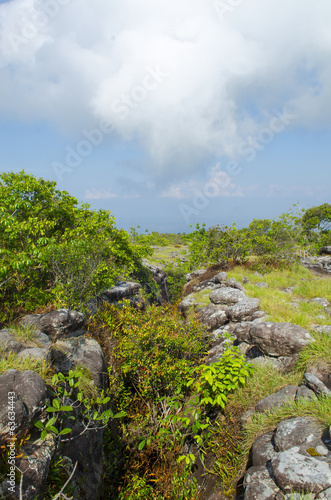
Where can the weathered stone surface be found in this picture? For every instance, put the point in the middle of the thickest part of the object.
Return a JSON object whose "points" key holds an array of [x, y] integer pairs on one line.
{"points": [[194, 274], [319, 266], [34, 464], [279, 339], [294, 471], [242, 331], [234, 284], [294, 432], [160, 278], [29, 392], [220, 277], [243, 310], [206, 285], [7, 342], [213, 316], [325, 250], [320, 301], [285, 395], [121, 290], [186, 303], [316, 385], [226, 296], [259, 485], [37, 353], [322, 328], [261, 284], [263, 449], [304, 393], [217, 351], [324, 495], [55, 324], [84, 351]]}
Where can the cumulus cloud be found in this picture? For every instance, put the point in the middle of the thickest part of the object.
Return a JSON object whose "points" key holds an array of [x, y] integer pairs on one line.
{"points": [[186, 81]]}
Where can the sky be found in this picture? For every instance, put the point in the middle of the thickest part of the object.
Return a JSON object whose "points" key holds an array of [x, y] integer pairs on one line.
{"points": [[170, 113]]}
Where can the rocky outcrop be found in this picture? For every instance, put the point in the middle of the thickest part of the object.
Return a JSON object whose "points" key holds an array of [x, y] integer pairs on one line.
{"points": [[319, 266], [325, 250], [56, 324], [295, 457]]}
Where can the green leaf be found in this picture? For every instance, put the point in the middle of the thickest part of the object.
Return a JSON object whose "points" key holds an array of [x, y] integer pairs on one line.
{"points": [[39, 424], [66, 408], [56, 403], [43, 434], [141, 445], [65, 431]]}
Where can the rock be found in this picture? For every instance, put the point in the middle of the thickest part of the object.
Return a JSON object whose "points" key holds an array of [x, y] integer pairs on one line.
{"points": [[7, 342], [242, 330], [204, 285], [87, 449], [300, 473], [316, 385], [285, 395], [322, 328], [259, 485], [243, 310], [194, 274], [261, 284], [34, 464], [294, 432], [213, 316], [83, 351], [325, 250], [289, 290], [121, 290], [246, 280], [246, 417], [220, 277], [60, 323], [279, 339], [226, 296], [321, 301], [29, 392], [263, 450], [186, 304], [304, 393], [234, 284], [217, 351], [320, 266], [324, 495], [160, 278], [37, 353]]}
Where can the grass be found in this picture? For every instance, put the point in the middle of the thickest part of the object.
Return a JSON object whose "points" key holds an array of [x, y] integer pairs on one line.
{"points": [[316, 353], [278, 304], [9, 361], [162, 255], [23, 333]]}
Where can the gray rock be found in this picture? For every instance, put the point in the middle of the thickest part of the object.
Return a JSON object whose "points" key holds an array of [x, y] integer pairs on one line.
{"points": [[34, 464], [83, 351], [294, 432], [213, 316], [261, 284], [37, 353], [206, 285], [263, 449], [246, 280], [299, 496], [29, 392], [186, 303], [322, 328], [194, 274], [122, 290], [321, 301], [55, 324], [289, 290], [316, 385], [324, 495], [285, 395], [243, 310], [304, 393], [279, 339], [234, 284], [247, 416], [325, 250], [7, 342], [226, 296], [220, 277], [217, 351], [242, 331], [294, 471], [259, 485]]}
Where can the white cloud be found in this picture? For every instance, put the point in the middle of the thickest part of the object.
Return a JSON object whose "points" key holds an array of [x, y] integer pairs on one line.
{"points": [[99, 194], [221, 79]]}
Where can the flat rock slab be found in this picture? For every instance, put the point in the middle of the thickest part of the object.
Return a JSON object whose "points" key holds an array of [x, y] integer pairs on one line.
{"points": [[227, 296], [294, 432], [300, 473], [279, 339], [285, 395], [243, 310]]}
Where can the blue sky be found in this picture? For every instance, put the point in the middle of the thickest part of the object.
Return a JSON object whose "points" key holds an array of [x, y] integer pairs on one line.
{"points": [[170, 113]]}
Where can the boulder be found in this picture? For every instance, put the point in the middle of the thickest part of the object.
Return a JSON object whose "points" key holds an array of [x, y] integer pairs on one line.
{"points": [[220, 277], [261, 284], [279, 339], [325, 250], [186, 304], [304, 393], [121, 290], [320, 301], [316, 385], [56, 324], [7, 341], [194, 274], [294, 432], [213, 316], [259, 485], [37, 353], [285, 395], [304, 474], [243, 310], [226, 296], [263, 450], [83, 351], [29, 392], [234, 284]]}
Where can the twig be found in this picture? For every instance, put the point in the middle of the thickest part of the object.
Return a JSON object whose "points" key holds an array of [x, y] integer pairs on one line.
{"points": [[65, 485]]}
